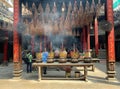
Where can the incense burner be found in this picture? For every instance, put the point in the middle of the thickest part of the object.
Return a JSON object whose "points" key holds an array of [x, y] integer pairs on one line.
{"points": [[74, 56], [39, 57], [63, 56], [50, 57]]}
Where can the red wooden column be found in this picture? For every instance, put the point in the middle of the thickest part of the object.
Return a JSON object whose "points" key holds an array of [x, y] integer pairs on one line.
{"points": [[111, 42], [5, 58], [96, 36], [84, 39], [16, 50], [88, 38]]}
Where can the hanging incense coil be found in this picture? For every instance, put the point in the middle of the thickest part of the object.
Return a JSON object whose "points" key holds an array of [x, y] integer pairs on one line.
{"points": [[73, 19], [32, 28], [55, 28], [39, 28]]}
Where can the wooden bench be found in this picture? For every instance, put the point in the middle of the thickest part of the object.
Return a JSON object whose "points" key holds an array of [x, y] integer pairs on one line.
{"points": [[57, 64]]}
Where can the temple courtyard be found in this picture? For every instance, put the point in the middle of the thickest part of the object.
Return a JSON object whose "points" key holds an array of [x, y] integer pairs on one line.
{"points": [[96, 79]]}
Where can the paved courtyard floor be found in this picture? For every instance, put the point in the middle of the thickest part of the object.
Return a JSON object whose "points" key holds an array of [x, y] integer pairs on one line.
{"points": [[96, 80]]}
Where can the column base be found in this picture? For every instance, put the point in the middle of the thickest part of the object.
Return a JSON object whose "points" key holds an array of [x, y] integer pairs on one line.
{"points": [[5, 64], [111, 79], [111, 71], [111, 75], [17, 72]]}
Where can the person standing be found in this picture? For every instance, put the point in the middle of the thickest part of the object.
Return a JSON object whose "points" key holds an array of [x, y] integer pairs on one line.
{"points": [[24, 56], [44, 60], [29, 64]]}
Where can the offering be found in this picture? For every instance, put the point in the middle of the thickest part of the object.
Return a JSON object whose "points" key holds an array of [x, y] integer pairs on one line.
{"points": [[50, 57], [39, 57], [63, 55]]}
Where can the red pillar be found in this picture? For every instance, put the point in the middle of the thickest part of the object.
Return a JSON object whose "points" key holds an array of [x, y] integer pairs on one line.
{"points": [[15, 33], [88, 38], [16, 49], [84, 39], [5, 58], [96, 36], [111, 42]]}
